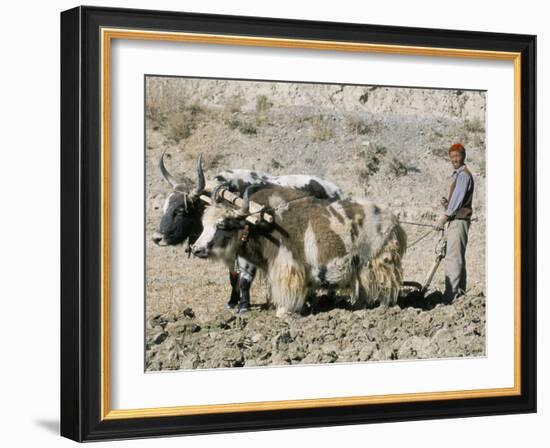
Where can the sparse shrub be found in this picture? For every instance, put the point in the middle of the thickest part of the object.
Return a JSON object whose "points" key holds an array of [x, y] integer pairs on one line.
{"points": [[244, 127], [440, 151], [360, 127], [234, 104], [479, 141], [373, 159], [216, 161], [194, 109], [152, 111], [262, 103], [473, 125], [364, 98], [233, 123], [248, 128], [321, 129], [399, 168], [180, 125], [438, 134], [275, 164], [482, 171]]}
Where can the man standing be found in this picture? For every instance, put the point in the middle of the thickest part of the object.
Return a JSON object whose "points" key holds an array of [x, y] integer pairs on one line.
{"points": [[458, 212]]}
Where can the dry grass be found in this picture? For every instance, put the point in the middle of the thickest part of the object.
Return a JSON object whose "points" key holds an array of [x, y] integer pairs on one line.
{"points": [[215, 162], [180, 125], [234, 104], [474, 125], [321, 129], [262, 103], [373, 160], [244, 126], [398, 168], [360, 127], [276, 164], [440, 151]]}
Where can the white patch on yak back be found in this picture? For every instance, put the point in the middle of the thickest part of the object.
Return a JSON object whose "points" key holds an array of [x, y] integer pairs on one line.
{"points": [[311, 250], [301, 181], [249, 177], [239, 177]]}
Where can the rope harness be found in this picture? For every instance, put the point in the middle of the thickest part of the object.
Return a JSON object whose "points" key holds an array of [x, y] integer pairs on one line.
{"points": [[265, 209], [420, 238], [246, 228]]}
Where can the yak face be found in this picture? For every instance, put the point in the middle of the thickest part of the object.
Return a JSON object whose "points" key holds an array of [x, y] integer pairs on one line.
{"points": [[182, 210], [181, 220], [220, 234]]}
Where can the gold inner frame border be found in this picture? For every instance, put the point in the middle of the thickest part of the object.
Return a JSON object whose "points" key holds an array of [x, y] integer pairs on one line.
{"points": [[107, 35]]}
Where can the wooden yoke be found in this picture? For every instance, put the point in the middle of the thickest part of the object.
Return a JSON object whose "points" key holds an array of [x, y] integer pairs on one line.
{"points": [[256, 214]]}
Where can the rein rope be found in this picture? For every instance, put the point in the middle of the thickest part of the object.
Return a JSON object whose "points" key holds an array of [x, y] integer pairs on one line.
{"points": [[412, 223], [424, 235], [421, 237]]}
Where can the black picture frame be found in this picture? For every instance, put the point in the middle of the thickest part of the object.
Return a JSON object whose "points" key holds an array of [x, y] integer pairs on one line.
{"points": [[81, 210]]}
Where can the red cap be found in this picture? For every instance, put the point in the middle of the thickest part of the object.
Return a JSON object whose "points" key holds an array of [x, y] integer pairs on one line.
{"points": [[457, 147]]}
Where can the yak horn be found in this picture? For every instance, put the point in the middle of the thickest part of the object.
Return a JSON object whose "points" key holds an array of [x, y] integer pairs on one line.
{"points": [[201, 183], [169, 178], [214, 194]]}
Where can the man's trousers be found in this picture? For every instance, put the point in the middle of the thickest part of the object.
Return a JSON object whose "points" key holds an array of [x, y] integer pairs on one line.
{"points": [[455, 259]]}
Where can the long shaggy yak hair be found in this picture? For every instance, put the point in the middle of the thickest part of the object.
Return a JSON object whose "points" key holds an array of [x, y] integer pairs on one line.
{"points": [[381, 277]]}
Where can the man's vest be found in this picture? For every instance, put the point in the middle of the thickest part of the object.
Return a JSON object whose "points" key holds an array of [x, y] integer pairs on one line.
{"points": [[465, 210]]}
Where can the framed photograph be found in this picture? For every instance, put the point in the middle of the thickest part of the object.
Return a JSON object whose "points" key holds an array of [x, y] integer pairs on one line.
{"points": [[272, 223]]}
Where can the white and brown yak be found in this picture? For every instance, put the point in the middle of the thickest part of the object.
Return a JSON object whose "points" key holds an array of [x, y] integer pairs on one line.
{"points": [[350, 245]]}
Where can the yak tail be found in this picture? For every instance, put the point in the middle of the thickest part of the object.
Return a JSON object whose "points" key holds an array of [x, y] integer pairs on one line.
{"points": [[381, 278]]}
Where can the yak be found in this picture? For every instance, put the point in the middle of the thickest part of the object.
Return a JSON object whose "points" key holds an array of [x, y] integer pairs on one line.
{"points": [[183, 211], [350, 245]]}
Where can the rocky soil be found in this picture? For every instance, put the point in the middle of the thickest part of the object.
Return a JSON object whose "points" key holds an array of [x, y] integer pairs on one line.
{"points": [[259, 338], [389, 144]]}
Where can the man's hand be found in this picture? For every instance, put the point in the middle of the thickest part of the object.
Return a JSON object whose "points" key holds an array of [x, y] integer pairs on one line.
{"points": [[444, 202], [439, 225]]}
